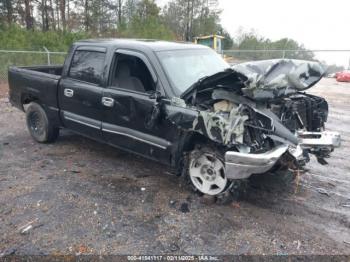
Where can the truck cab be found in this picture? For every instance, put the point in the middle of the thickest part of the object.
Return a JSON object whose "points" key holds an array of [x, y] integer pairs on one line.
{"points": [[106, 90]]}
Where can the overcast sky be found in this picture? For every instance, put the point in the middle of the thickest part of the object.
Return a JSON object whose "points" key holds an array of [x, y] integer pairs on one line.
{"points": [[318, 24]]}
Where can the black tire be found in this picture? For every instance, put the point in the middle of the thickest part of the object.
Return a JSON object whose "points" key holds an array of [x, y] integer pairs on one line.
{"points": [[233, 190], [39, 125]]}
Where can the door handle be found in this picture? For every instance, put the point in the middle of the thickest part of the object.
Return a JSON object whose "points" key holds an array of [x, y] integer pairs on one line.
{"points": [[107, 101], [68, 92]]}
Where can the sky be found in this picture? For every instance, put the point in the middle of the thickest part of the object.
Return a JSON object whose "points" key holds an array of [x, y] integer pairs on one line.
{"points": [[318, 24]]}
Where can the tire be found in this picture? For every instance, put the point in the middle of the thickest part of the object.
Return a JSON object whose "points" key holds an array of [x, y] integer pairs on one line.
{"points": [[225, 192], [285, 176], [40, 127]]}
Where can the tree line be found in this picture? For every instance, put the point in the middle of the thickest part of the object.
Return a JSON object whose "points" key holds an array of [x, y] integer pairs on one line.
{"points": [[178, 19], [55, 24]]}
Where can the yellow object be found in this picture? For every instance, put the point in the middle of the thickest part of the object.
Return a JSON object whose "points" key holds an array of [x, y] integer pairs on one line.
{"points": [[212, 41]]}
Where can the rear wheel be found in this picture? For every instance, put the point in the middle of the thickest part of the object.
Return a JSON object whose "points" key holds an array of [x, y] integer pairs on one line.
{"points": [[38, 124]]}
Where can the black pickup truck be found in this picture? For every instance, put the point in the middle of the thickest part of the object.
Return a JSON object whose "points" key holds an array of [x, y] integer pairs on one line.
{"points": [[183, 105]]}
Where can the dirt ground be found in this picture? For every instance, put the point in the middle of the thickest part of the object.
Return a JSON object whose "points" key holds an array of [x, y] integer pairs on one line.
{"points": [[77, 196]]}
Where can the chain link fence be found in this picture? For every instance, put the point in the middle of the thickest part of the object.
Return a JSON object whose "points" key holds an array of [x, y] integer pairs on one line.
{"points": [[341, 58], [241, 56], [27, 58]]}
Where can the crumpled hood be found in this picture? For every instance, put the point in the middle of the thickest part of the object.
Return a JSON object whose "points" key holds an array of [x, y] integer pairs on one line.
{"points": [[226, 77], [278, 77], [263, 80]]}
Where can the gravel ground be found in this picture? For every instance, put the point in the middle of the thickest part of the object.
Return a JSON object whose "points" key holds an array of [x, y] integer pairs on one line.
{"points": [[77, 196]]}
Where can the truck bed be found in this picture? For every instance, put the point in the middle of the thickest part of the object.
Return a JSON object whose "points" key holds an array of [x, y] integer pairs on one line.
{"points": [[52, 69], [39, 82]]}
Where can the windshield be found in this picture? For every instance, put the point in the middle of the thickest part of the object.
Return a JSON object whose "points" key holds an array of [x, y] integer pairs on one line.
{"points": [[185, 67]]}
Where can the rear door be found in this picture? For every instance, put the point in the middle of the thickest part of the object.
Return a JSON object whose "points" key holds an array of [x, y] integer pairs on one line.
{"points": [[80, 92]]}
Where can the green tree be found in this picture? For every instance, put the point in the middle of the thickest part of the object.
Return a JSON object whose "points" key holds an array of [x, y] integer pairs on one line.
{"points": [[261, 46], [147, 23]]}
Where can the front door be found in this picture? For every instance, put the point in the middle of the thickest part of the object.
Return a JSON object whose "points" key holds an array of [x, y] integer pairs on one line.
{"points": [[128, 107], [80, 92]]}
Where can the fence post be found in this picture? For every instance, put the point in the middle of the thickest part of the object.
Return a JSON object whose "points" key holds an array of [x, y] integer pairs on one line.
{"points": [[48, 55]]}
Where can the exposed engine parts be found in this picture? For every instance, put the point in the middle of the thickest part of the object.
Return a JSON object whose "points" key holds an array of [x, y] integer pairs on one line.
{"points": [[260, 113], [301, 111]]}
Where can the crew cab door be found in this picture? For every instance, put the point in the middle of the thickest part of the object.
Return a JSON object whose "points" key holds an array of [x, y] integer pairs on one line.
{"points": [[128, 103], [80, 92]]}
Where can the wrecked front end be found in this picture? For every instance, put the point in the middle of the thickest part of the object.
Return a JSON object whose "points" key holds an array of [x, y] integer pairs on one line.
{"points": [[260, 115]]}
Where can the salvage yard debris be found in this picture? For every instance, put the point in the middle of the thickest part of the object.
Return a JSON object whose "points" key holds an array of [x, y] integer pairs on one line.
{"points": [[322, 191], [25, 229]]}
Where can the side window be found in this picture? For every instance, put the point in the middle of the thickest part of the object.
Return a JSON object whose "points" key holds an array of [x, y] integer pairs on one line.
{"points": [[131, 73], [87, 66]]}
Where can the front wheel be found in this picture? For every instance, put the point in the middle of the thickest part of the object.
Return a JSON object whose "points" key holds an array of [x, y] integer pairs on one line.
{"points": [[205, 171], [39, 125]]}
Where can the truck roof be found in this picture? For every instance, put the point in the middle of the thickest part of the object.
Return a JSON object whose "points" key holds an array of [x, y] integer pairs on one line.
{"points": [[154, 45]]}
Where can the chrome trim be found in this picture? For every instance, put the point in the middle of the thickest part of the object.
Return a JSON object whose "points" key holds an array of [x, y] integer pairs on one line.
{"points": [[134, 137], [325, 139], [107, 101], [80, 119], [80, 122], [243, 165], [68, 92]]}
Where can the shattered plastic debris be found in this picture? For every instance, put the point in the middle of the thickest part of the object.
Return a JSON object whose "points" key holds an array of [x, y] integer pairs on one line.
{"points": [[25, 229], [172, 203], [297, 243], [323, 191]]}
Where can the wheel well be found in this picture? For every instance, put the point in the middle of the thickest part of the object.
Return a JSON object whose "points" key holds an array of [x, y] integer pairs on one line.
{"points": [[28, 98], [186, 144], [194, 139]]}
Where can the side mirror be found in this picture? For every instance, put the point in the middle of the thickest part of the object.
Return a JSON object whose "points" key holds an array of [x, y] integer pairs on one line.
{"points": [[155, 95]]}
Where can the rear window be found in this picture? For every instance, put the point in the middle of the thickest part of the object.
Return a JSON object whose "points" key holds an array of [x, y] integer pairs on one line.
{"points": [[87, 66]]}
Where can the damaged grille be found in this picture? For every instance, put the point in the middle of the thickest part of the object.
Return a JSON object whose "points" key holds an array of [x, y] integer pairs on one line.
{"points": [[302, 111]]}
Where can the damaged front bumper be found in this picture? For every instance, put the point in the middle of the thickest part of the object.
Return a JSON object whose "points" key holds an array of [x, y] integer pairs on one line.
{"points": [[242, 165]]}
